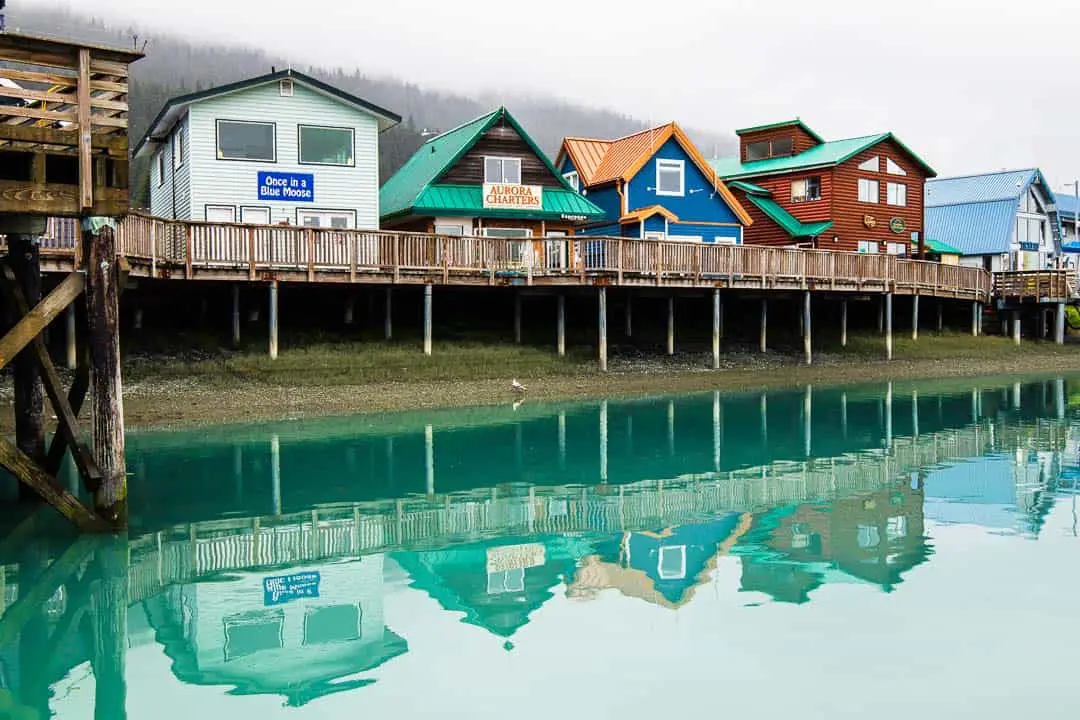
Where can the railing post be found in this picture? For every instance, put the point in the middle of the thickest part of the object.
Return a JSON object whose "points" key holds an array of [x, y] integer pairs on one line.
{"points": [[189, 250], [311, 255], [251, 252], [397, 257], [153, 247], [351, 251], [620, 259]]}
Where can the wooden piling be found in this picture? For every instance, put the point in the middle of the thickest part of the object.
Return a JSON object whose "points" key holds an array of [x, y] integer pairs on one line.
{"points": [[881, 315], [940, 316], [273, 319], [807, 350], [976, 318], [517, 317], [427, 319], [350, 309], [1016, 327], [1059, 323], [109, 610], [560, 325], [70, 338], [106, 394], [914, 317], [629, 315], [716, 329], [887, 304], [236, 315], [388, 318], [25, 261], [764, 322], [603, 329], [671, 325], [843, 323]]}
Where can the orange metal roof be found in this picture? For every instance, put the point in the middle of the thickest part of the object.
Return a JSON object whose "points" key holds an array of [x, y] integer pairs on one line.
{"points": [[587, 154], [624, 153], [639, 215]]}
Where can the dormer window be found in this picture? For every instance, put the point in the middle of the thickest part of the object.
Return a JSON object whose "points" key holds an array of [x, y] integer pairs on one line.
{"points": [[573, 180], [502, 170], [765, 149], [670, 177]]}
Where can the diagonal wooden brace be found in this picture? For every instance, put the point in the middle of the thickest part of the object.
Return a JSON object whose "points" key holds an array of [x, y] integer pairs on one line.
{"points": [[28, 472], [68, 422], [33, 322]]}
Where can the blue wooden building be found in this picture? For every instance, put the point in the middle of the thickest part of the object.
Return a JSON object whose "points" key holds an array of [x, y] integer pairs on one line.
{"points": [[653, 184]]}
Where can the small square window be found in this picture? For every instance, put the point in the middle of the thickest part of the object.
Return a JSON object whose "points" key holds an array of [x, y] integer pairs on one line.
{"points": [[160, 166], [670, 177], [868, 190], [502, 170], [757, 150], [868, 247], [285, 87], [573, 180], [806, 189], [672, 563], [896, 194], [178, 147]]}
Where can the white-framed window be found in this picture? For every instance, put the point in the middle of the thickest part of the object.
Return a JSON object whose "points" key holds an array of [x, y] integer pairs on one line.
{"points": [[806, 189], [516, 250], [246, 140], [331, 624], [221, 213], [178, 147], [689, 238], [670, 177], [724, 240], [334, 219], [506, 581], [896, 194], [572, 178], [868, 536], [868, 190], [502, 170], [449, 229], [655, 235], [672, 562], [896, 528], [871, 164], [325, 145], [892, 168], [868, 247], [160, 158], [896, 248], [255, 215]]}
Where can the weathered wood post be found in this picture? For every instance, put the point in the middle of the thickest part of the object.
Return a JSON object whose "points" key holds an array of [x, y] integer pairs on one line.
{"points": [[629, 315], [350, 309], [1016, 327], [914, 317], [716, 329], [671, 325], [427, 318], [107, 402], [388, 319], [560, 324], [25, 260], [764, 322], [1059, 323], [881, 315], [843, 322], [807, 351], [109, 603], [602, 321], [976, 318], [236, 315], [517, 316], [940, 315], [70, 338], [273, 319], [888, 326]]}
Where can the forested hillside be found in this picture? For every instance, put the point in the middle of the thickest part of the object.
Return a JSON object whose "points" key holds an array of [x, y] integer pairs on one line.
{"points": [[175, 66]]}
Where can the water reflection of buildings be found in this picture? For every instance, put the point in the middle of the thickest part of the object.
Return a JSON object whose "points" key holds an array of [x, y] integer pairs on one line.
{"points": [[295, 633]]}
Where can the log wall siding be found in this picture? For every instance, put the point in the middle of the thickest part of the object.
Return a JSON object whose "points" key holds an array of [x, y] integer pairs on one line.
{"points": [[848, 212], [501, 140], [800, 138], [780, 187], [764, 231]]}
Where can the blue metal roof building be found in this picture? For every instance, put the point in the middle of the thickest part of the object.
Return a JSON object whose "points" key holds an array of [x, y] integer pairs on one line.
{"points": [[981, 215], [1066, 209]]}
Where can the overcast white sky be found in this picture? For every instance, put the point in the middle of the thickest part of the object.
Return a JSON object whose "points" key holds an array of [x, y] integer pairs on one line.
{"points": [[970, 85]]}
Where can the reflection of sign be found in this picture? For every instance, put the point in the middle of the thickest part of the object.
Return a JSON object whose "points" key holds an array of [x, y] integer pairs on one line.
{"points": [[574, 218], [897, 225], [869, 221], [509, 557], [513, 197], [281, 589], [1030, 246], [287, 187]]}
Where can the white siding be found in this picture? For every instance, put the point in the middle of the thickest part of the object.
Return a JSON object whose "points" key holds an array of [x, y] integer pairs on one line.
{"points": [[172, 198], [233, 182], [183, 173], [161, 192]]}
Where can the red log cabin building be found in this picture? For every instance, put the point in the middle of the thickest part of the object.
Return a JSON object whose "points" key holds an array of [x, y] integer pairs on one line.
{"points": [[861, 194]]}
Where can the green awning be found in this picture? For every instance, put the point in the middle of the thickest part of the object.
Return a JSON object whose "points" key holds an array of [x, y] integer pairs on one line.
{"points": [[790, 224], [469, 200]]}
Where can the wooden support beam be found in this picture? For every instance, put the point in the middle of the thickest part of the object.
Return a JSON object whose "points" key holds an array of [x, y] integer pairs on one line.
{"points": [[976, 318], [914, 317], [517, 316], [388, 320], [843, 323], [70, 340], [629, 316], [887, 305], [107, 403], [39, 318], [808, 352], [1059, 323], [1016, 327], [764, 323], [273, 320], [22, 277], [560, 325], [427, 318], [75, 399], [716, 329], [68, 426], [671, 325], [940, 315], [29, 472], [86, 175], [236, 315], [602, 322]]}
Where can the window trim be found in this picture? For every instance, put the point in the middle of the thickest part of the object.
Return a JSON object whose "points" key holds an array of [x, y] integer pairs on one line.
{"points": [[461, 226], [671, 164], [161, 165], [575, 183], [503, 159], [217, 139], [654, 235], [806, 198], [300, 145], [335, 211], [877, 193], [218, 206], [893, 168], [863, 166], [867, 243], [660, 562], [177, 140], [267, 208], [888, 187]]}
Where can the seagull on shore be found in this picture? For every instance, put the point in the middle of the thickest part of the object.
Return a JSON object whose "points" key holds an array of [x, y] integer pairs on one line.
{"points": [[517, 387]]}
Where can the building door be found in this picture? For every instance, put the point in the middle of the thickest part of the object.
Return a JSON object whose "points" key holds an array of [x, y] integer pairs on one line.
{"points": [[517, 251], [555, 251]]}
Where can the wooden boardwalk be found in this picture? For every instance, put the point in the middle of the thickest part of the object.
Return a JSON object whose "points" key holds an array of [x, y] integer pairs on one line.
{"points": [[164, 249]]}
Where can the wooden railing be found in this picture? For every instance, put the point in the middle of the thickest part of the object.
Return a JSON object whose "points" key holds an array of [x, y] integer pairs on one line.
{"points": [[319, 254], [1036, 284]]}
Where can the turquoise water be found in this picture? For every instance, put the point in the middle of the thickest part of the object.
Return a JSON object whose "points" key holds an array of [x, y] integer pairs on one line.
{"points": [[875, 552]]}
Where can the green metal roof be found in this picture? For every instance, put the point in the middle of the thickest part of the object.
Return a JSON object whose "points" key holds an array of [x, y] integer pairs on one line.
{"points": [[412, 187], [469, 200], [749, 188], [790, 224], [785, 123], [825, 155], [938, 247]]}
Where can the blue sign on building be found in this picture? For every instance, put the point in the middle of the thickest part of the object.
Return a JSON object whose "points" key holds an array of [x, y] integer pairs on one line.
{"points": [[287, 187], [282, 589], [1029, 246]]}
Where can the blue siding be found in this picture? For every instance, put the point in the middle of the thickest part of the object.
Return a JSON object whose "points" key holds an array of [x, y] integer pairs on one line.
{"points": [[567, 165], [702, 205], [656, 223], [607, 199], [708, 233]]}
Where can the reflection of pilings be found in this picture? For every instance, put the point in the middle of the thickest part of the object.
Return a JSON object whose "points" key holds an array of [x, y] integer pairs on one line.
{"points": [[808, 407], [764, 412], [718, 432], [389, 452], [843, 415], [238, 472], [34, 634], [275, 472], [1016, 396], [109, 602], [562, 440], [671, 427], [915, 412], [429, 457], [888, 416], [603, 440], [1059, 398]]}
